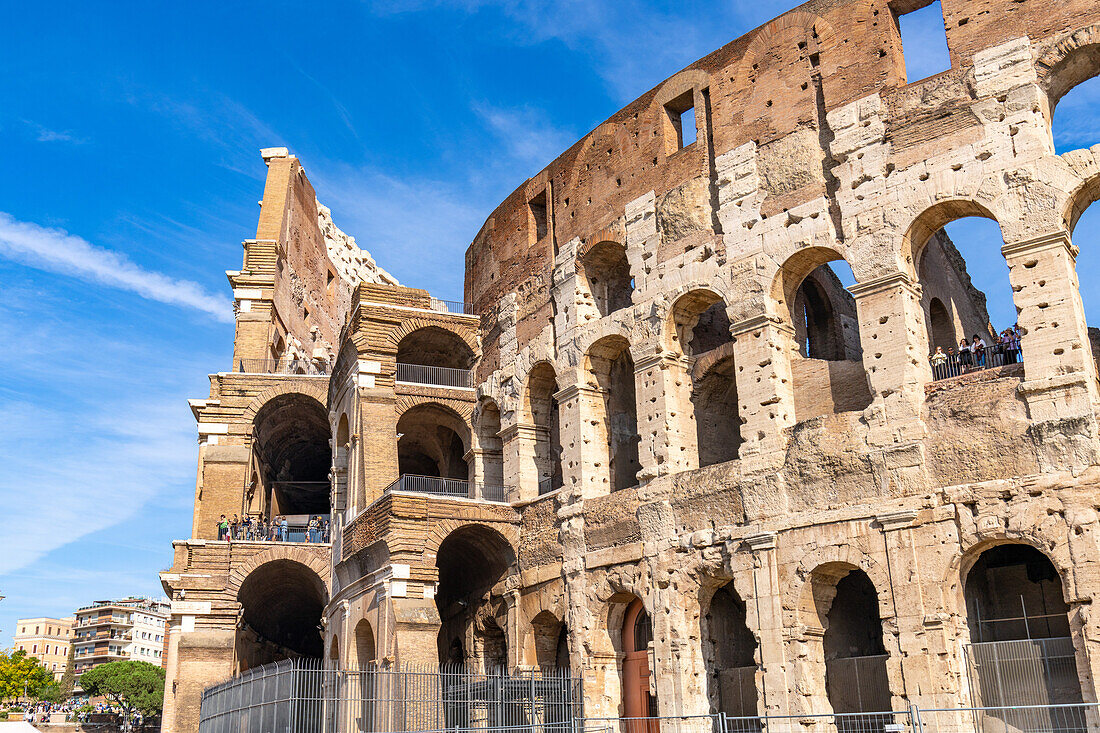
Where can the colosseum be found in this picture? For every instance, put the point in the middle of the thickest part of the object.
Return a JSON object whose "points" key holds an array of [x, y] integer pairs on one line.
{"points": [[661, 446]]}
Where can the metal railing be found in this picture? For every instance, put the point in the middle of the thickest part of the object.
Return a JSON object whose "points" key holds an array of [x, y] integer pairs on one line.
{"points": [[1075, 718], [298, 529], [302, 696], [1023, 672], [956, 363], [452, 306], [453, 487], [548, 484], [281, 366], [436, 376]]}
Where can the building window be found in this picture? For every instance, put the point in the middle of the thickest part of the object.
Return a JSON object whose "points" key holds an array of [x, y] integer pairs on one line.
{"points": [[923, 39], [537, 221], [680, 126]]}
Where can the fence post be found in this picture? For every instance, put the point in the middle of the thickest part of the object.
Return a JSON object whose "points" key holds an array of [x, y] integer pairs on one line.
{"points": [[914, 718]]}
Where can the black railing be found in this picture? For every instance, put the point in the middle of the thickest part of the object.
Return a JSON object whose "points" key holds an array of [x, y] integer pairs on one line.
{"points": [[281, 366], [308, 529], [956, 363], [548, 484], [452, 306], [433, 375], [452, 487]]}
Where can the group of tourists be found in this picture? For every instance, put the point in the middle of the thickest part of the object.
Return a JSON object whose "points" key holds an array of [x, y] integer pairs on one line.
{"points": [[977, 354], [277, 529]]}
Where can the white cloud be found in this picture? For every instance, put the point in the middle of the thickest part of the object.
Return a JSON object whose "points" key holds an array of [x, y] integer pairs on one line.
{"points": [[528, 135], [58, 251], [46, 135]]}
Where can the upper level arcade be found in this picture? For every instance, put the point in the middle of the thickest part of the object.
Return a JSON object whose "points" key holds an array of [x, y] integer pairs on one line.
{"points": [[708, 299]]}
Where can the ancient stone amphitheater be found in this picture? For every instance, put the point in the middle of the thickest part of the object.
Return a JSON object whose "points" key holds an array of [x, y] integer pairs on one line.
{"points": [[661, 445]]}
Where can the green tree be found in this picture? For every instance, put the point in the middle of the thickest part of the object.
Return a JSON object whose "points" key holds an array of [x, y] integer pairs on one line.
{"points": [[68, 680], [22, 674], [133, 686]]}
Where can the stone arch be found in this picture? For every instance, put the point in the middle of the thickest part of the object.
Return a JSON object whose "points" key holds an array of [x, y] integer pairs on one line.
{"points": [[411, 325], [489, 448], [509, 533], [540, 411], [729, 647], [434, 439], [931, 220], [971, 548], [609, 367], [687, 309], [548, 641], [362, 649], [1082, 197], [1068, 63], [292, 448], [471, 560], [843, 558], [282, 600], [305, 387], [605, 270]]}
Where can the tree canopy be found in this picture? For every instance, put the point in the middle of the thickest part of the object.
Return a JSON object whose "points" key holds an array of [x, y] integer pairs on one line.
{"points": [[132, 685], [20, 672]]}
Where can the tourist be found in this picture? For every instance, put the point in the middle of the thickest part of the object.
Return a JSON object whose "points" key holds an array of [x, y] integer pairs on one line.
{"points": [[977, 350], [939, 363], [223, 528], [966, 358], [284, 528], [234, 527]]}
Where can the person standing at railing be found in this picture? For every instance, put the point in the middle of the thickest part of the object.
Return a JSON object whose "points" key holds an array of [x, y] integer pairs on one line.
{"points": [[223, 528], [284, 529], [234, 527], [325, 529], [939, 363], [965, 357], [977, 351]]}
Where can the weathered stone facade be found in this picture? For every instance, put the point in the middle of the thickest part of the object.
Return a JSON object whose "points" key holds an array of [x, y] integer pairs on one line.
{"points": [[676, 413]]}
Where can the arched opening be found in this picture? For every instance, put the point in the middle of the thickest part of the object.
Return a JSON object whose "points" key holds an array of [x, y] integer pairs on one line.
{"points": [[472, 560], [729, 650], [606, 272], [855, 659], [612, 369], [363, 645], [334, 653], [639, 700], [1073, 89], [341, 459], [827, 368], [281, 604], [551, 642], [1021, 650], [431, 444], [967, 331], [435, 347], [291, 452], [700, 329], [490, 450], [542, 410]]}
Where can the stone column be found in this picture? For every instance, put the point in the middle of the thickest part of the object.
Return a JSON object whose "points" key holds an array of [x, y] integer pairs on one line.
{"points": [[376, 435], [764, 616], [895, 356], [1060, 374], [585, 452], [909, 667], [666, 419], [521, 467], [765, 391]]}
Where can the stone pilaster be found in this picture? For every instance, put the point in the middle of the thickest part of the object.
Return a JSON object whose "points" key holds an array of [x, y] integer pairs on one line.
{"points": [[585, 451], [521, 461], [666, 421], [764, 614], [765, 391]]}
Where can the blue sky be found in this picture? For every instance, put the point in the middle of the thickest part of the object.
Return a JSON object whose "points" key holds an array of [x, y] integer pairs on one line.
{"points": [[131, 134]]}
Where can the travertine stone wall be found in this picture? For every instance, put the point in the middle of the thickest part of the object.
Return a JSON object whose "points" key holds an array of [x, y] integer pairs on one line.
{"points": [[811, 147]]}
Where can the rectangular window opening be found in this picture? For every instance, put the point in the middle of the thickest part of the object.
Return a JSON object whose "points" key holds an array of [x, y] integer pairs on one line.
{"points": [[680, 127], [923, 38], [537, 219]]}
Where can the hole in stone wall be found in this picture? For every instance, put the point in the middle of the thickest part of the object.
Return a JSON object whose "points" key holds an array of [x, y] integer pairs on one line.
{"points": [[923, 41], [729, 651], [538, 221], [607, 274], [680, 127]]}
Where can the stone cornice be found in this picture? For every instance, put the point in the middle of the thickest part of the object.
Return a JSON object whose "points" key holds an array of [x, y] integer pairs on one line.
{"points": [[881, 284], [1054, 240]]}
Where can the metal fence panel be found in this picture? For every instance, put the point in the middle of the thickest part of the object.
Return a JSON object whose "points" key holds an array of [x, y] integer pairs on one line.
{"points": [[437, 376], [1077, 718], [1023, 672]]}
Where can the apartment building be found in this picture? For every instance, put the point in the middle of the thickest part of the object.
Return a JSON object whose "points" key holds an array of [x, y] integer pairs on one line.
{"points": [[47, 639], [111, 631]]}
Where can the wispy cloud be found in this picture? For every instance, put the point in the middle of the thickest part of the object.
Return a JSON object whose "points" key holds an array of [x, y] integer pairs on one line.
{"points": [[58, 251], [528, 135], [633, 46], [46, 135]]}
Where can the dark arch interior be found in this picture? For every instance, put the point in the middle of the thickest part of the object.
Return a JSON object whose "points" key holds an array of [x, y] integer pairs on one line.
{"points": [[281, 601], [855, 658], [291, 441], [435, 346], [542, 410], [1021, 650], [613, 368], [471, 560], [730, 654], [429, 444], [821, 306], [717, 421]]}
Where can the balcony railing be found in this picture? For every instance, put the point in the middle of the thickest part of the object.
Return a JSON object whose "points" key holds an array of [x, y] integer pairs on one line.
{"points": [[281, 366], [452, 306], [436, 376], [297, 530], [455, 488], [548, 484], [957, 363]]}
